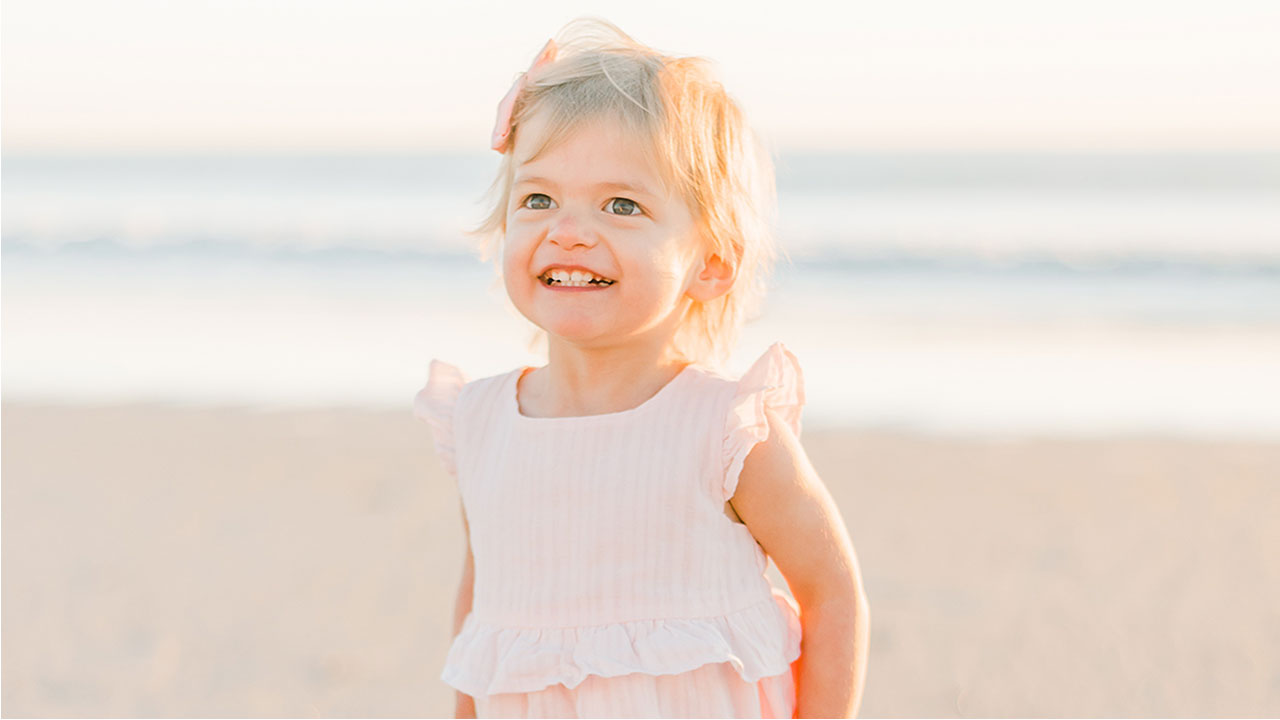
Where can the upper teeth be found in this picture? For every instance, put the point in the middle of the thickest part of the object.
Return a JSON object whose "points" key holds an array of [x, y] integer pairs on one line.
{"points": [[576, 277]]}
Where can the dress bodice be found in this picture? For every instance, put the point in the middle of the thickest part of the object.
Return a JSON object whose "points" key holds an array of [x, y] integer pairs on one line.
{"points": [[600, 543]]}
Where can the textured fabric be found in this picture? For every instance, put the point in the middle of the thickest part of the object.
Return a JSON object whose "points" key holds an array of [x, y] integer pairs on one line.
{"points": [[605, 565], [714, 690]]}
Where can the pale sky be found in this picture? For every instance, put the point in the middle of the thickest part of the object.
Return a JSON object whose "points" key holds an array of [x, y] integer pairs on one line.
{"points": [[355, 75]]}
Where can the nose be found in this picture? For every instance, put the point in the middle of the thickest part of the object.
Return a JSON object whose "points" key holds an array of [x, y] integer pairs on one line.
{"points": [[567, 233]]}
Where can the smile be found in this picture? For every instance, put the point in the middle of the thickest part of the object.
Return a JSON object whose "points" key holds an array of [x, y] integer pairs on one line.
{"points": [[574, 279]]}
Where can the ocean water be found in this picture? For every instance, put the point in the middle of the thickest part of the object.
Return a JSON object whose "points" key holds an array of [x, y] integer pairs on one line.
{"points": [[951, 293]]}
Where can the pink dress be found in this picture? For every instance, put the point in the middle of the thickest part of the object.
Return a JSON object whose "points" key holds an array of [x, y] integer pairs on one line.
{"points": [[609, 582]]}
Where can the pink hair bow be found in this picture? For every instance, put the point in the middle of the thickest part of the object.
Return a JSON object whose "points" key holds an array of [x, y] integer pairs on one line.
{"points": [[502, 127]]}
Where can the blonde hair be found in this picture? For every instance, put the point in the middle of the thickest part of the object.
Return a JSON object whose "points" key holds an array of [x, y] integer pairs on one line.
{"points": [[697, 138]]}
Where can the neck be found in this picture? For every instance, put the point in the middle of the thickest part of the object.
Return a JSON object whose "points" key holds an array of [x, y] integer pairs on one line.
{"points": [[593, 381]]}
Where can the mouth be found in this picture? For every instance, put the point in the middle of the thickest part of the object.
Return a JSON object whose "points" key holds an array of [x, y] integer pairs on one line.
{"points": [[575, 278]]}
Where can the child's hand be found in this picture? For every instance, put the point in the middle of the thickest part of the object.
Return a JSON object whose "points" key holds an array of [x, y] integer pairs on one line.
{"points": [[789, 511]]}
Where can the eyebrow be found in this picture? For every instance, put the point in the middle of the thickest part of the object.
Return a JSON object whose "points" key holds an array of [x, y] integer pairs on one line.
{"points": [[608, 185]]}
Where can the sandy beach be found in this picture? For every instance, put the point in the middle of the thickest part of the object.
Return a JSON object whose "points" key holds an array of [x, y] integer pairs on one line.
{"points": [[195, 562]]}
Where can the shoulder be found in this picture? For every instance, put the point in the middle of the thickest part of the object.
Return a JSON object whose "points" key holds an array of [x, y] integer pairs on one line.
{"points": [[448, 392], [768, 396], [712, 384], [489, 388], [487, 400]]}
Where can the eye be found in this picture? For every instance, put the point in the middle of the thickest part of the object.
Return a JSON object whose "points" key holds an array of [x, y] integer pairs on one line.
{"points": [[623, 206], [537, 201]]}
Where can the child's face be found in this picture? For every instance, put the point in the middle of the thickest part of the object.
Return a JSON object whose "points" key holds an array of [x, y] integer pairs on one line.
{"points": [[594, 202]]}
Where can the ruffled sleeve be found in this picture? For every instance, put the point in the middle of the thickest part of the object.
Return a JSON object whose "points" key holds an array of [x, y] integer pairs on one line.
{"points": [[774, 381], [434, 405]]}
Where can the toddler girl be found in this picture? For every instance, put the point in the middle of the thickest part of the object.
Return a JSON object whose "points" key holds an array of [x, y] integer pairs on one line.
{"points": [[620, 500]]}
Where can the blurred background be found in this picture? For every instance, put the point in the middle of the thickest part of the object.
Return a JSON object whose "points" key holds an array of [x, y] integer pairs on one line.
{"points": [[1032, 274]]}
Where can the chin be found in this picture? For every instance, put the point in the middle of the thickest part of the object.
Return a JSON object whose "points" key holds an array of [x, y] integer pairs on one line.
{"points": [[567, 323], [577, 333]]}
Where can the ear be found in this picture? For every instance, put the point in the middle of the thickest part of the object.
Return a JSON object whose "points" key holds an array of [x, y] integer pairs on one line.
{"points": [[713, 278]]}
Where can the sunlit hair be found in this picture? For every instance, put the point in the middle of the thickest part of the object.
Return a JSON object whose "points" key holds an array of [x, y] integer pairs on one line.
{"points": [[696, 137]]}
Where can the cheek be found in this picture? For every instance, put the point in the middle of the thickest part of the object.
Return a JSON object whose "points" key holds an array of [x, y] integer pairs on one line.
{"points": [[672, 271], [514, 251]]}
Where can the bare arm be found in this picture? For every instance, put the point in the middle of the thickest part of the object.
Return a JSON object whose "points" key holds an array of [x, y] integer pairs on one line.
{"points": [[465, 706], [789, 511]]}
